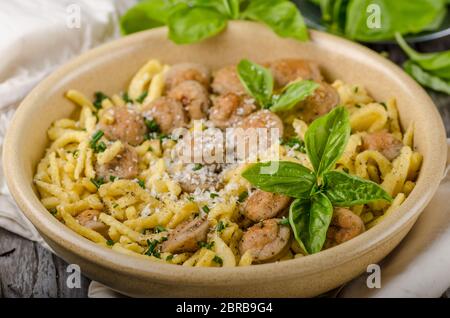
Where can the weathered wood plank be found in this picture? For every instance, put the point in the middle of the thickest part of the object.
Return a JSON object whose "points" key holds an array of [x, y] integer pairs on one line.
{"points": [[28, 270]]}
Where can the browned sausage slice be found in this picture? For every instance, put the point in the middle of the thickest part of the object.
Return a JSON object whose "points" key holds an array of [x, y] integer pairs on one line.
{"points": [[167, 112], [193, 96], [324, 99], [383, 142], [285, 71], [89, 219], [262, 205], [267, 240], [187, 236], [124, 165], [128, 126], [181, 72], [226, 80], [229, 109]]}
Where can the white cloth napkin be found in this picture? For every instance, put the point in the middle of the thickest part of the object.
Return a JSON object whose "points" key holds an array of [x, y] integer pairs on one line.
{"points": [[35, 39]]}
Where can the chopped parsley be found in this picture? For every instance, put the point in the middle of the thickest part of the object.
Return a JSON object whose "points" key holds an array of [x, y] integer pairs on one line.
{"points": [[115, 205], [169, 257], [190, 198], [95, 144], [206, 245], [97, 182], [295, 143], [53, 211], [152, 250], [284, 221], [126, 98], [242, 196], [197, 166], [218, 260], [141, 183], [213, 195], [99, 98], [205, 209], [152, 125], [112, 178], [159, 229], [110, 242], [141, 98], [220, 226]]}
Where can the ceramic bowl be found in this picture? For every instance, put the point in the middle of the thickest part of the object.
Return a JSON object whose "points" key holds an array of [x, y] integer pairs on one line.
{"points": [[110, 67]]}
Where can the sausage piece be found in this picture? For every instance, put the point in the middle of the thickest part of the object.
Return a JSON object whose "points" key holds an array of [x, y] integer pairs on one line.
{"points": [[262, 119], [193, 96], [167, 112], [383, 142], [285, 71], [226, 80], [187, 236], [128, 126], [229, 109], [89, 219], [262, 205], [266, 241], [123, 166], [345, 225], [324, 99], [181, 72]]}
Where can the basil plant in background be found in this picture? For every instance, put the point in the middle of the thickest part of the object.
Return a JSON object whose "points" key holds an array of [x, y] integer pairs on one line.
{"points": [[317, 192], [432, 70], [258, 82], [191, 21], [378, 20]]}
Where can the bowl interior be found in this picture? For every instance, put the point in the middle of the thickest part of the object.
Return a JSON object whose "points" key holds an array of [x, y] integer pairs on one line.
{"points": [[110, 68]]}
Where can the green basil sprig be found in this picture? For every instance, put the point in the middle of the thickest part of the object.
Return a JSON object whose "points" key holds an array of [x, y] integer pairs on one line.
{"points": [[350, 17], [258, 82], [191, 21], [432, 70], [316, 192]]}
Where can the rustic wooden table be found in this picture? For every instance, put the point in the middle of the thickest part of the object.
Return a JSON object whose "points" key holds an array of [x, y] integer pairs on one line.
{"points": [[28, 270]]}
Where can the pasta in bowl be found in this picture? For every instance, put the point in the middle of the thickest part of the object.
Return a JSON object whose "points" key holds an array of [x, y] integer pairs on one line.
{"points": [[125, 176], [36, 126]]}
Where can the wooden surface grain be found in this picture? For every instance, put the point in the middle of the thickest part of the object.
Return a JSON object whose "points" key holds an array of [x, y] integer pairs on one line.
{"points": [[28, 270]]}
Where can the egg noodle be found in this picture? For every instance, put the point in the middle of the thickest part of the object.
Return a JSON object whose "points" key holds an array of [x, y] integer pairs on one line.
{"points": [[139, 213]]}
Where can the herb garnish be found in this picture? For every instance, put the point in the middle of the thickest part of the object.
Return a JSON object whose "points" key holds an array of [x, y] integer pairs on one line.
{"points": [[197, 166], [206, 244], [152, 125], [192, 21], [98, 181], [295, 143], [95, 144], [141, 98], [242, 196], [317, 191], [109, 242], [218, 260], [99, 98], [159, 229], [258, 82], [205, 209], [141, 183], [221, 226]]}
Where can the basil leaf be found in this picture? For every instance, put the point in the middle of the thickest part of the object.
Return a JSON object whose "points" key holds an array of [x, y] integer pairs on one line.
{"points": [[193, 24], [426, 79], [299, 221], [280, 15], [229, 8], [148, 14], [257, 80], [326, 139], [291, 179], [438, 63], [345, 190], [292, 94], [320, 215], [403, 16]]}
